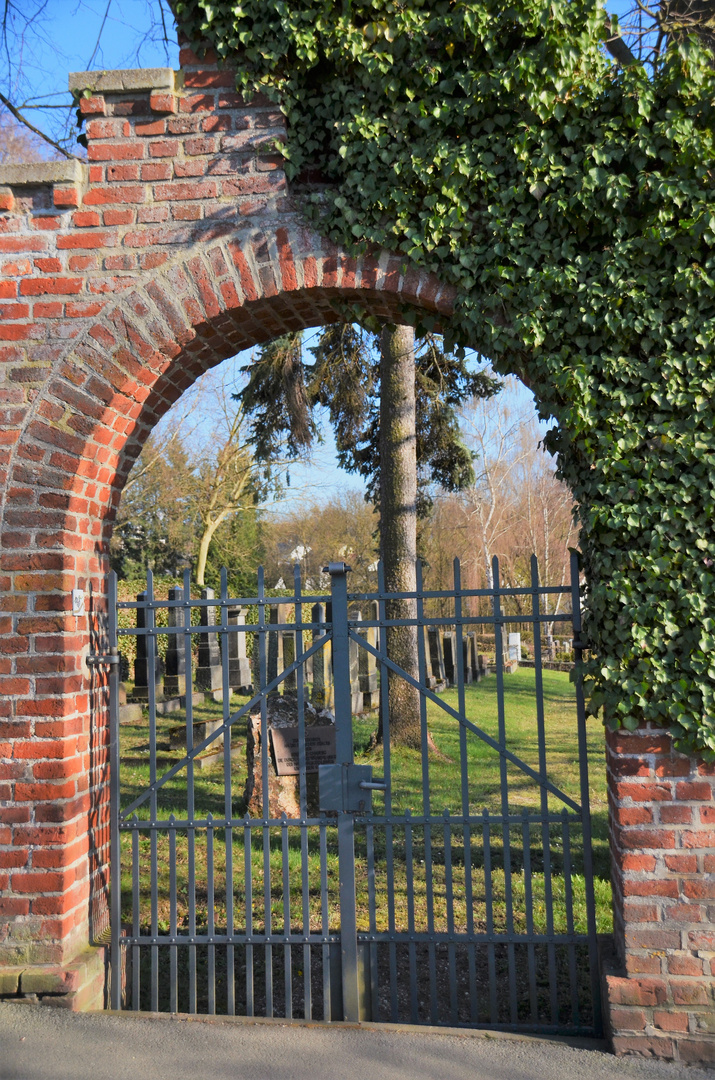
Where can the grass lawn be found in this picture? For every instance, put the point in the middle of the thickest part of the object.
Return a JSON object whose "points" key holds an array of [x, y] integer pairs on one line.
{"points": [[431, 886]]}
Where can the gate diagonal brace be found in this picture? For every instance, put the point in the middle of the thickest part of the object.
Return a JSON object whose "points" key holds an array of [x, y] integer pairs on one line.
{"points": [[219, 732], [543, 782]]}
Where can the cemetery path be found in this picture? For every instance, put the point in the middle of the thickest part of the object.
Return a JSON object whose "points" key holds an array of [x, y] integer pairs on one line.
{"points": [[41, 1043]]}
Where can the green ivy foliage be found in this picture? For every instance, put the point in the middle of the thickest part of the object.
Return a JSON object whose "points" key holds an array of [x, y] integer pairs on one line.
{"points": [[572, 204]]}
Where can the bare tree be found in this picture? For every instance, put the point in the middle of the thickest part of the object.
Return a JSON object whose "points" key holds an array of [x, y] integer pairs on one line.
{"points": [[494, 428], [515, 507], [228, 482], [315, 531], [195, 473]]}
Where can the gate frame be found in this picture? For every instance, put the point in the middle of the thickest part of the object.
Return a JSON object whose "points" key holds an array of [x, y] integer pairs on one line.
{"points": [[339, 784]]}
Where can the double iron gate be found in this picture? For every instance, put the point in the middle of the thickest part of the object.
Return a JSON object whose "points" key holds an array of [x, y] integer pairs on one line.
{"points": [[453, 887]]}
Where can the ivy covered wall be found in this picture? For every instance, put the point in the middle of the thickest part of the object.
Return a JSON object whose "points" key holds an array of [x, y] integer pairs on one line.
{"points": [[572, 203]]}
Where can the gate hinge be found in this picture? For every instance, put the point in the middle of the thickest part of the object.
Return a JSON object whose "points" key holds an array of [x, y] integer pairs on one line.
{"points": [[98, 659]]}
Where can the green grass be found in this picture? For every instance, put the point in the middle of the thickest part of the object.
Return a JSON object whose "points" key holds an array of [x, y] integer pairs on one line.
{"points": [[440, 891]]}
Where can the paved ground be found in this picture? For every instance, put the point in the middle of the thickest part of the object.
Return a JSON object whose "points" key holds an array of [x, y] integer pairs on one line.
{"points": [[41, 1043]]}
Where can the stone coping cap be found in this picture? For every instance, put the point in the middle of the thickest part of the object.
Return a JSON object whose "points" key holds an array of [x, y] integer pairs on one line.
{"points": [[69, 171], [100, 82]]}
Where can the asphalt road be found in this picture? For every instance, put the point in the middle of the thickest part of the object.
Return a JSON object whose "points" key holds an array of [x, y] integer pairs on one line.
{"points": [[41, 1043]]}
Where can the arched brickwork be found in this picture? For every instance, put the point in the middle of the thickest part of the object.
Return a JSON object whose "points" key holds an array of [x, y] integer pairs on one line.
{"points": [[121, 281], [175, 249], [79, 435]]}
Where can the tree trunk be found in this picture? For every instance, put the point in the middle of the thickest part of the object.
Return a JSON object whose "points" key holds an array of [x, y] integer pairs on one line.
{"points": [[204, 545], [398, 522]]}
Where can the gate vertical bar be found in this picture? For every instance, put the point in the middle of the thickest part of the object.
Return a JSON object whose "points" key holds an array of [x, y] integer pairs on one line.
{"points": [[304, 863], [585, 802], [543, 776], [346, 822], [504, 784], [227, 800], [265, 830], [152, 655], [190, 790], [115, 911]]}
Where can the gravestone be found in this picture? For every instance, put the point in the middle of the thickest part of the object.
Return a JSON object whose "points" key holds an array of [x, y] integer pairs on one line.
{"points": [[367, 664], [208, 669], [201, 730], [290, 683], [283, 780], [550, 645], [239, 668], [466, 661], [322, 694], [449, 652], [471, 639], [355, 615], [436, 654], [141, 664], [175, 677], [515, 647], [274, 658], [129, 712]]}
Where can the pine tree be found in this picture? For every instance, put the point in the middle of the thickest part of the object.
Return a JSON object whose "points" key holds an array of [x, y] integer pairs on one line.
{"points": [[392, 409]]}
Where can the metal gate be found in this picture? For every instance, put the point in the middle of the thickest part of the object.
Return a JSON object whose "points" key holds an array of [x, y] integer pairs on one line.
{"points": [[455, 887]]}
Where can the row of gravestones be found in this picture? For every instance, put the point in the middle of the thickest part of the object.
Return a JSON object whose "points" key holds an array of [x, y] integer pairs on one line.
{"points": [[441, 659]]}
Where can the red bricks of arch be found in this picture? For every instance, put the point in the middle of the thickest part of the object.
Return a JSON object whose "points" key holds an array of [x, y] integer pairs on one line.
{"points": [[178, 246]]}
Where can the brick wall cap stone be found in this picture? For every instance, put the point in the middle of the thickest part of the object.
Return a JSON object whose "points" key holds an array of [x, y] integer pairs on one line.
{"points": [[71, 171], [117, 81], [10, 980]]}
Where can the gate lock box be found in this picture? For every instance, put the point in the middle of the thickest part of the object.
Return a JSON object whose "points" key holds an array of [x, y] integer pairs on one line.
{"points": [[347, 787]]}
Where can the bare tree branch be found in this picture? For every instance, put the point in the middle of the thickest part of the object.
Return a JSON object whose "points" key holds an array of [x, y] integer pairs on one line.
{"points": [[95, 50], [618, 48], [36, 131]]}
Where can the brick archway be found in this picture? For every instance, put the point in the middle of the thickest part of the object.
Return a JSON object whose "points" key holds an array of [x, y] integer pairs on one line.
{"points": [[125, 282], [101, 397]]}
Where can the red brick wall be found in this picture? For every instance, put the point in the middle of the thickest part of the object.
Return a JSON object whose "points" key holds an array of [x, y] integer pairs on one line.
{"points": [[663, 859], [120, 283]]}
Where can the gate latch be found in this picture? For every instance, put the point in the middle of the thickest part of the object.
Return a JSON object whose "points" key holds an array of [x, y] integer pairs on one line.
{"points": [[347, 787]]}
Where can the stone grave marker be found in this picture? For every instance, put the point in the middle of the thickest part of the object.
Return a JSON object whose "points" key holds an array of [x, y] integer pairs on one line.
{"points": [[175, 677], [239, 668], [208, 669], [283, 780], [449, 652], [367, 664], [322, 694], [436, 655], [141, 663]]}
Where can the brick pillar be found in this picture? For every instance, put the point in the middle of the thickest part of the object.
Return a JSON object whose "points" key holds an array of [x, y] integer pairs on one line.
{"points": [[54, 823], [660, 995]]}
